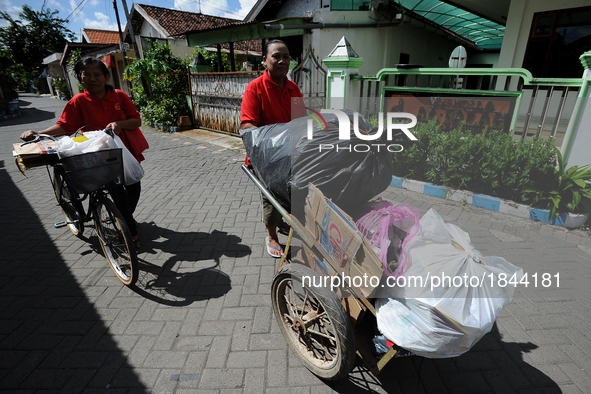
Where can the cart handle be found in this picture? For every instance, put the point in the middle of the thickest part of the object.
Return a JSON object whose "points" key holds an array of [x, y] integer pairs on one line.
{"points": [[295, 224], [267, 194]]}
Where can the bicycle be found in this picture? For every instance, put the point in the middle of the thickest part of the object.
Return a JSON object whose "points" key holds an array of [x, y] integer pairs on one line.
{"points": [[91, 175]]}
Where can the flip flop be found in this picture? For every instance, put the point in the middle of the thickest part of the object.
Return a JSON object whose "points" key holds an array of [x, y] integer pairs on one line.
{"points": [[271, 248]]}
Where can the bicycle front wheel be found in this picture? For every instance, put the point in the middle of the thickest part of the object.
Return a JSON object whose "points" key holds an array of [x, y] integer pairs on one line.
{"points": [[116, 241]]}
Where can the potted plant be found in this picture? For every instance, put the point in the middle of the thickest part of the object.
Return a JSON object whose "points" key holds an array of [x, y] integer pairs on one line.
{"points": [[569, 201]]}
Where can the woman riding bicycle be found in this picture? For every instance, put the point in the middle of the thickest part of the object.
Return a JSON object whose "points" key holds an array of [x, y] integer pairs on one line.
{"points": [[101, 106]]}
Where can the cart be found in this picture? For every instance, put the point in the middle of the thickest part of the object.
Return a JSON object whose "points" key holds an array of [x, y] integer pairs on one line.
{"points": [[324, 329]]}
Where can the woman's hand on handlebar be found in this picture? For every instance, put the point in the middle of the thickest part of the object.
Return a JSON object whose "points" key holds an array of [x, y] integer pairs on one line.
{"points": [[29, 135], [52, 131], [115, 127]]}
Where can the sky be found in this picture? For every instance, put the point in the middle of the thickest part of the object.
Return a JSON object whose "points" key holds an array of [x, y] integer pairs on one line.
{"points": [[100, 14]]}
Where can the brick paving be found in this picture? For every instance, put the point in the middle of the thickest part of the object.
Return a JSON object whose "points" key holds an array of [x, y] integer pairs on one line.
{"points": [[200, 318]]}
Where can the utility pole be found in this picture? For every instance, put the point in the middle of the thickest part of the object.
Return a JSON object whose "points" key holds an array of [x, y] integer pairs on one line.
{"points": [[130, 28], [121, 40]]}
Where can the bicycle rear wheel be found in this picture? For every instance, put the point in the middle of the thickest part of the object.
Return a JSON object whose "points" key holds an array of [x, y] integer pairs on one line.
{"points": [[67, 198], [116, 241]]}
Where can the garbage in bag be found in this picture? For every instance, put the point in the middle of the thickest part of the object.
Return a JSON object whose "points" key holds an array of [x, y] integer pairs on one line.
{"points": [[269, 151], [90, 141], [389, 228], [286, 161], [451, 295]]}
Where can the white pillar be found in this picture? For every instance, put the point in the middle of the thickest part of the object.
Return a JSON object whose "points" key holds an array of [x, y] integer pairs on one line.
{"points": [[577, 140], [343, 63]]}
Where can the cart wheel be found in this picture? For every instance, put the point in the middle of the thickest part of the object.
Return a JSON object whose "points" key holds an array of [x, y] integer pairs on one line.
{"points": [[314, 323]]}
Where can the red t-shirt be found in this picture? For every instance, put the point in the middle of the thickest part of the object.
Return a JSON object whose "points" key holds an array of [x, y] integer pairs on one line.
{"points": [[85, 109], [265, 103]]}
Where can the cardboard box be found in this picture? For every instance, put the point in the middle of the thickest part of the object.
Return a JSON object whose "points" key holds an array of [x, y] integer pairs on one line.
{"points": [[43, 147], [351, 255], [34, 154]]}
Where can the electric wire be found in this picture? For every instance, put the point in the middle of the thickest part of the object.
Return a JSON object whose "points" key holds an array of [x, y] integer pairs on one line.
{"points": [[81, 5], [210, 5]]}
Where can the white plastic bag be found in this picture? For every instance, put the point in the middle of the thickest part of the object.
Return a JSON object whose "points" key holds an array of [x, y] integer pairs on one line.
{"points": [[96, 141], [132, 169], [450, 299], [66, 147]]}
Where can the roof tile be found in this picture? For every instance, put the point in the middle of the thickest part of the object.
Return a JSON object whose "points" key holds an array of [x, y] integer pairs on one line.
{"points": [[177, 22], [96, 36]]}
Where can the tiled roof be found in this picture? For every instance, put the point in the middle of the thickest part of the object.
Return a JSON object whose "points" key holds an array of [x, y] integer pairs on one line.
{"points": [[176, 23], [95, 36]]}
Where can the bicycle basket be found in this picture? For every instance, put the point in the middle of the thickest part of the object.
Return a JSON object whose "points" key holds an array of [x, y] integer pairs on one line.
{"points": [[89, 172]]}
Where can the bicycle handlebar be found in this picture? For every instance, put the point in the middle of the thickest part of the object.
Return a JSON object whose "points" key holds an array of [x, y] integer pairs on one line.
{"points": [[38, 137], [109, 131]]}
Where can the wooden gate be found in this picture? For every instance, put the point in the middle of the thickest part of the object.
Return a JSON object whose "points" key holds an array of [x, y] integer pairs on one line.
{"points": [[310, 75], [217, 98]]}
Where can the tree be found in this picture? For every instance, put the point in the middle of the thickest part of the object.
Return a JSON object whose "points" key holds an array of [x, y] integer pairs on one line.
{"points": [[8, 79], [37, 35]]}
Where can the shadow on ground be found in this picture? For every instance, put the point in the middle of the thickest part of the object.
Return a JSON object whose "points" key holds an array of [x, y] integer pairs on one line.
{"points": [[491, 366], [190, 269], [51, 336]]}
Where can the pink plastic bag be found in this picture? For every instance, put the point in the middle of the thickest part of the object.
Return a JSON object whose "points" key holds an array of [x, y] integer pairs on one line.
{"points": [[389, 228]]}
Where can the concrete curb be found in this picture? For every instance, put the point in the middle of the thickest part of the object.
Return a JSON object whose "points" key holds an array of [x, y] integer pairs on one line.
{"points": [[483, 201]]}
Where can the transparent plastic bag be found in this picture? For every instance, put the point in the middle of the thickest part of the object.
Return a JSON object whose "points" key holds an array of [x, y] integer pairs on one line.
{"points": [[133, 171], [94, 142], [451, 296]]}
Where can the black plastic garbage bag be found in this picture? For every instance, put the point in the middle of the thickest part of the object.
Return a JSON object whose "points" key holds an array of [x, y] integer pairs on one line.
{"points": [[350, 172], [269, 151]]}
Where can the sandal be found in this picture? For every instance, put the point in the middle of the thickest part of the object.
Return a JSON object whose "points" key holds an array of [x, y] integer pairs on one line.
{"points": [[272, 248]]}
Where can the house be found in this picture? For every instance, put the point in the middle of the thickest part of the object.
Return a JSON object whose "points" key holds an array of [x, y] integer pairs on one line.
{"points": [[54, 70], [543, 38], [104, 44], [156, 24]]}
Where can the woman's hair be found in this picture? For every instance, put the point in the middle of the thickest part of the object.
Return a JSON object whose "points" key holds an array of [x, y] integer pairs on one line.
{"points": [[274, 41], [91, 61]]}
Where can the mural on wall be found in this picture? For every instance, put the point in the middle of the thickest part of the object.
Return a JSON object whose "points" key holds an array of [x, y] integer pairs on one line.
{"points": [[473, 114]]}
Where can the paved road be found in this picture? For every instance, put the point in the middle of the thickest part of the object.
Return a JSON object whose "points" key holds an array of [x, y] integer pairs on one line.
{"points": [[200, 319]]}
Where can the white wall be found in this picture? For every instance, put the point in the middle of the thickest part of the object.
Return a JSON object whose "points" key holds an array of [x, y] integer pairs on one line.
{"points": [[148, 30], [380, 47], [178, 47]]}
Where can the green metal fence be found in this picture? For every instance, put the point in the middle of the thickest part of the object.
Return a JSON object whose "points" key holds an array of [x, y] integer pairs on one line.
{"points": [[506, 98]]}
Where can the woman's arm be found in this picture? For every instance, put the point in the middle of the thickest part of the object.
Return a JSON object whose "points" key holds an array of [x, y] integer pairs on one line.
{"points": [[129, 124], [54, 130], [248, 125]]}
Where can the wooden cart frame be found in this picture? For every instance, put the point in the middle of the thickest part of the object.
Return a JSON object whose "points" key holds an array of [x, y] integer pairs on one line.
{"points": [[325, 330]]}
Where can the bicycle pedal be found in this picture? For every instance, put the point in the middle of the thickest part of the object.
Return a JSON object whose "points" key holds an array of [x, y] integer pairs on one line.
{"points": [[60, 224]]}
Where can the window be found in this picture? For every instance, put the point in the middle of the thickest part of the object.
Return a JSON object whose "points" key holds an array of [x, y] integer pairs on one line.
{"points": [[349, 5], [556, 41]]}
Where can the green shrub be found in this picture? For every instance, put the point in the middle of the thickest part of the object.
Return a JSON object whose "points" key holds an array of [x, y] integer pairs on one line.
{"points": [[489, 163], [568, 191], [61, 85], [160, 85]]}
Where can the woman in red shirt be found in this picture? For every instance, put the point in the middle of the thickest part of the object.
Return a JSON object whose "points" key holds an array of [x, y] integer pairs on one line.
{"points": [[267, 100], [98, 107]]}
